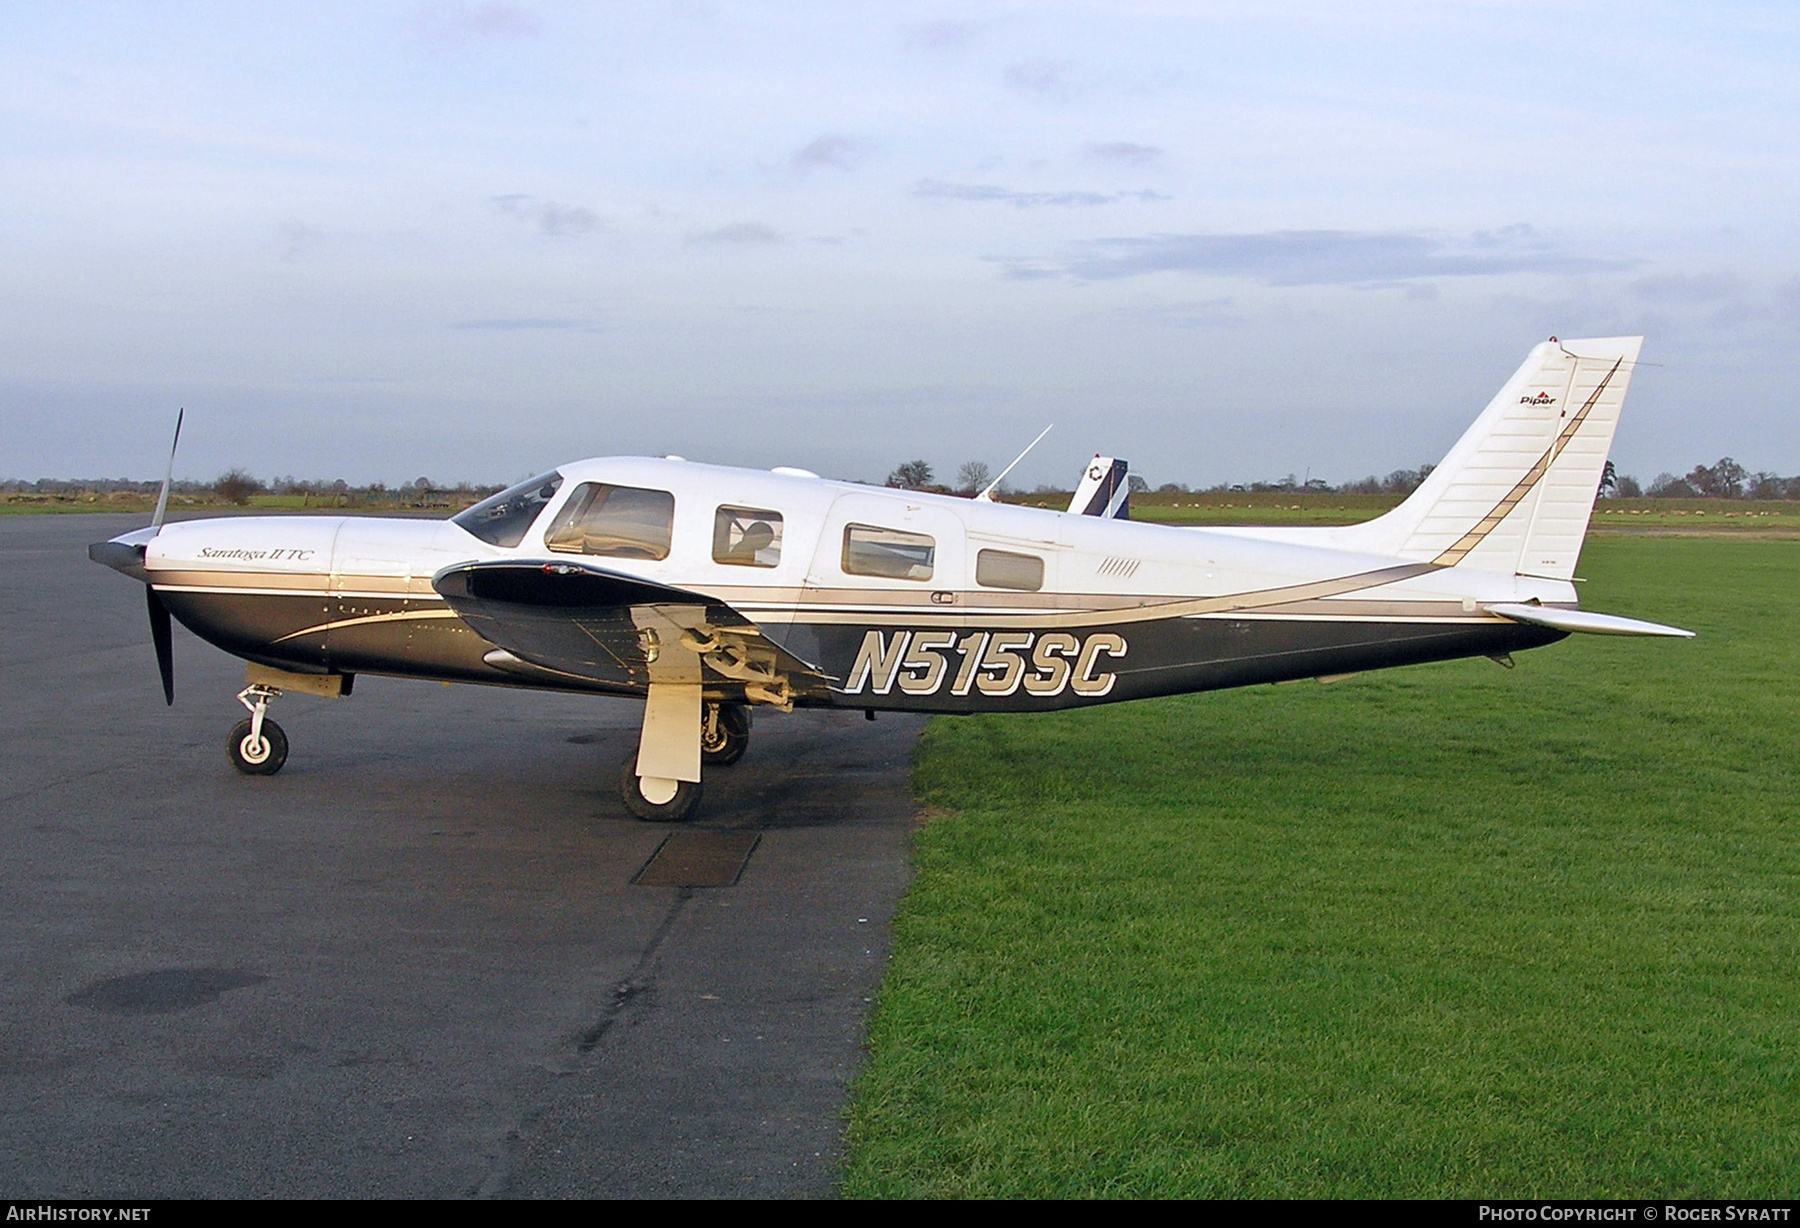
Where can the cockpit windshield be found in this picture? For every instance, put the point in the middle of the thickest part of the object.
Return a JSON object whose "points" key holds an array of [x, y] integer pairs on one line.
{"points": [[502, 519]]}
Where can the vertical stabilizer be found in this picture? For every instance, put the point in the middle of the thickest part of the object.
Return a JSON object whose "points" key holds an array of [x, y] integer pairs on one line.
{"points": [[1104, 490], [1515, 493]]}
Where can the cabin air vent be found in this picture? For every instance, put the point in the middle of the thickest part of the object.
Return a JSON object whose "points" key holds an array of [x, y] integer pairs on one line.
{"points": [[1119, 567]]}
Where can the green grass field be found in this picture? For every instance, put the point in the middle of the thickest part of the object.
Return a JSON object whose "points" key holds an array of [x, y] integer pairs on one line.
{"points": [[1440, 931]]}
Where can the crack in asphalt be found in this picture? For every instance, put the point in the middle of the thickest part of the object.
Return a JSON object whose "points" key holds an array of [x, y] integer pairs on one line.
{"points": [[639, 983]]}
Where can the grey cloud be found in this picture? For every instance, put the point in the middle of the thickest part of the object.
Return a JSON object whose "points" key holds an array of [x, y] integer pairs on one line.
{"points": [[1210, 313], [1310, 257], [739, 233], [1025, 270], [1045, 78], [941, 35], [294, 238], [446, 25], [935, 189], [835, 152], [554, 220], [1519, 234], [519, 323], [1688, 288], [1123, 152]]}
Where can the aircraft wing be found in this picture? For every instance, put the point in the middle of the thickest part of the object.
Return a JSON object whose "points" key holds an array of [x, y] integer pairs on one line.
{"points": [[572, 618], [1581, 620]]}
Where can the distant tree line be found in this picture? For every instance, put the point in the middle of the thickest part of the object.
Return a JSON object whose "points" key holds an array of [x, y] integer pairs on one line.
{"points": [[1399, 482], [1726, 479], [239, 487]]}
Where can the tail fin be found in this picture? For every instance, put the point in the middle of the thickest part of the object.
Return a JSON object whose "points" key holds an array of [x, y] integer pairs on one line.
{"points": [[1515, 493], [1103, 490]]}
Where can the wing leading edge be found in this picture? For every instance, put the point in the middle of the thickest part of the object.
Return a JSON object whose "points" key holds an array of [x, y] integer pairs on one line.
{"points": [[575, 619]]}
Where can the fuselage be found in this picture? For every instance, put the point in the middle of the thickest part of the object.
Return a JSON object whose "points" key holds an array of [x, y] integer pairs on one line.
{"points": [[897, 599]]}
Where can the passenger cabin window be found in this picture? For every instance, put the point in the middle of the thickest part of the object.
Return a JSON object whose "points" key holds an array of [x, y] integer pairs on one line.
{"points": [[747, 537], [891, 553], [621, 522], [1003, 569], [501, 520]]}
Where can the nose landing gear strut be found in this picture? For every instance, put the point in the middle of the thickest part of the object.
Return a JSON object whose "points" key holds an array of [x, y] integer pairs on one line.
{"points": [[258, 746]]}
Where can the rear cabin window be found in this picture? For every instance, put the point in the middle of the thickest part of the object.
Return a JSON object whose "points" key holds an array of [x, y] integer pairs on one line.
{"points": [[1004, 569], [501, 520], [890, 553], [746, 537], [621, 522]]}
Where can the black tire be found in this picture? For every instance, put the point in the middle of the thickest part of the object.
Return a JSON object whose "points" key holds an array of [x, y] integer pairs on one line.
{"points": [[733, 737], [677, 809], [265, 760]]}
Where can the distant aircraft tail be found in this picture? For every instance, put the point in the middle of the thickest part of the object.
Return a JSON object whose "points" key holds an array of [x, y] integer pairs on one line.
{"points": [[1104, 490], [1515, 493]]}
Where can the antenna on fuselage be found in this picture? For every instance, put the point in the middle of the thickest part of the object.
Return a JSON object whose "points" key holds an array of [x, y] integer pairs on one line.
{"points": [[987, 492], [162, 500]]}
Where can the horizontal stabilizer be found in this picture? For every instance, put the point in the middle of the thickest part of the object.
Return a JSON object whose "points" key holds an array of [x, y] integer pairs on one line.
{"points": [[1581, 620]]}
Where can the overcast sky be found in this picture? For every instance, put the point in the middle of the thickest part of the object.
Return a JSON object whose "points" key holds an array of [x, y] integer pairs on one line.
{"points": [[1224, 241]]}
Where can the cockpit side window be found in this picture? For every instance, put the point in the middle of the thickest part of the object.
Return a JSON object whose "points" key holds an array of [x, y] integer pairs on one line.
{"points": [[890, 553], [747, 537], [502, 519], [621, 522]]}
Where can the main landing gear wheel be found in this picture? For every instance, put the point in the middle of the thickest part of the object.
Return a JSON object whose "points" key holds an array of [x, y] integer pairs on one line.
{"points": [[257, 756], [656, 800], [724, 733]]}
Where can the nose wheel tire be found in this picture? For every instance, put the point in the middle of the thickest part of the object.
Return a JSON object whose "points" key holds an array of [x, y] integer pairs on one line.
{"points": [[671, 807], [257, 757], [724, 741]]}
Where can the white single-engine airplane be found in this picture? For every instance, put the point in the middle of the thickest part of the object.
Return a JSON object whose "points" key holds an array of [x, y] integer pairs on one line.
{"points": [[707, 591]]}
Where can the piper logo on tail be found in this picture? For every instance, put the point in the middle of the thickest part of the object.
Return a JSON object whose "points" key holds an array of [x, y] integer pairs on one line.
{"points": [[989, 662], [1542, 398]]}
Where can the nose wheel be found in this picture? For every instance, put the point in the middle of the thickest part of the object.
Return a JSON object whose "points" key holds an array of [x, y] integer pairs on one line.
{"points": [[254, 754], [258, 746]]}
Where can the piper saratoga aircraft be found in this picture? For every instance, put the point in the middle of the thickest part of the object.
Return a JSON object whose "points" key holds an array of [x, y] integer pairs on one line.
{"points": [[709, 591]]}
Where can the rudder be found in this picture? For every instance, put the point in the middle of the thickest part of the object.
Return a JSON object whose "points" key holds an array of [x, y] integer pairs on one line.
{"points": [[1515, 493]]}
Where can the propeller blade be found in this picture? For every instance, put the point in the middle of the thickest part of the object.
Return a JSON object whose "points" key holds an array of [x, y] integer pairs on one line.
{"points": [[159, 635], [162, 501]]}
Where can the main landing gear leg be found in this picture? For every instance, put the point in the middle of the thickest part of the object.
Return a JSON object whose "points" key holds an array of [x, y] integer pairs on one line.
{"points": [[661, 783], [257, 747], [724, 733]]}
